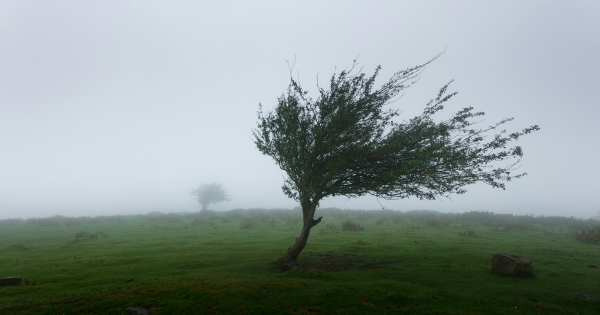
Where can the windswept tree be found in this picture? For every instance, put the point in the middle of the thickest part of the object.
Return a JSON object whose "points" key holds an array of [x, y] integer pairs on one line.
{"points": [[210, 193], [345, 143]]}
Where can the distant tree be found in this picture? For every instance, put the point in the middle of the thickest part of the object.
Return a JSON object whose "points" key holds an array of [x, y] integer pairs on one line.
{"points": [[345, 144], [210, 193]]}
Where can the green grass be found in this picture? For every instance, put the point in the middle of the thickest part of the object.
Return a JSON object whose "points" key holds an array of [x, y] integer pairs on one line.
{"points": [[206, 265]]}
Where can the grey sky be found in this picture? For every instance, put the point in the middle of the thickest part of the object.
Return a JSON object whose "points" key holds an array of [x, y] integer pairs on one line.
{"points": [[111, 107]]}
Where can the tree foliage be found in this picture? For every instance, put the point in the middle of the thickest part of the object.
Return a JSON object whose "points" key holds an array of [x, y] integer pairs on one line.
{"points": [[347, 143], [210, 193]]}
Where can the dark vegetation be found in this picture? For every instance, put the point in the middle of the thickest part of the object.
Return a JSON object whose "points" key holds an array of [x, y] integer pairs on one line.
{"points": [[350, 225], [413, 262], [424, 217]]}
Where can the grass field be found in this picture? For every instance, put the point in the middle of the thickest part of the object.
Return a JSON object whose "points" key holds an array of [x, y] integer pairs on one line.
{"points": [[418, 262]]}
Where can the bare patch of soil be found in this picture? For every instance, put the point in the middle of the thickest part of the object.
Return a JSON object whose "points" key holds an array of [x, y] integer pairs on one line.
{"points": [[335, 263]]}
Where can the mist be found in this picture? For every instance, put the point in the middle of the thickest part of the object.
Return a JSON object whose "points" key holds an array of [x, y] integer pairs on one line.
{"points": [[125, 107]]}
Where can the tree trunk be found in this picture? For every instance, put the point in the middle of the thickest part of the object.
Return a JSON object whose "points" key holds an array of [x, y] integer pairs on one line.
{"points": [[293, 251]]}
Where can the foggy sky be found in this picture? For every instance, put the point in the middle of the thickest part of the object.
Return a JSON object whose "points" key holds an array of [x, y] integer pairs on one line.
{"points": [[124, 107]]}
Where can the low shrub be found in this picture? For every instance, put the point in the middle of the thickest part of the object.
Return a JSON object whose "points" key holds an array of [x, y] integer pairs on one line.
{"points": [[261, 217], [225, 219], [589, 235], [349, 225], [246, 223], [413, 226]]}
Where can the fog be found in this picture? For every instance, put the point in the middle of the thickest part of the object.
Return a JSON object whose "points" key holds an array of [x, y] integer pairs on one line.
{"points": [[124, 107]]}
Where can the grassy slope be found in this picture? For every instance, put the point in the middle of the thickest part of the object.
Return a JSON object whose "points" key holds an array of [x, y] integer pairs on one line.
{"points": [[179, 268]]}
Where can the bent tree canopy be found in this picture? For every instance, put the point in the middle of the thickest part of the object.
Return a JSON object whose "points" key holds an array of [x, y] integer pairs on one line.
{"points": [[210, 193], [345, 143]]}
